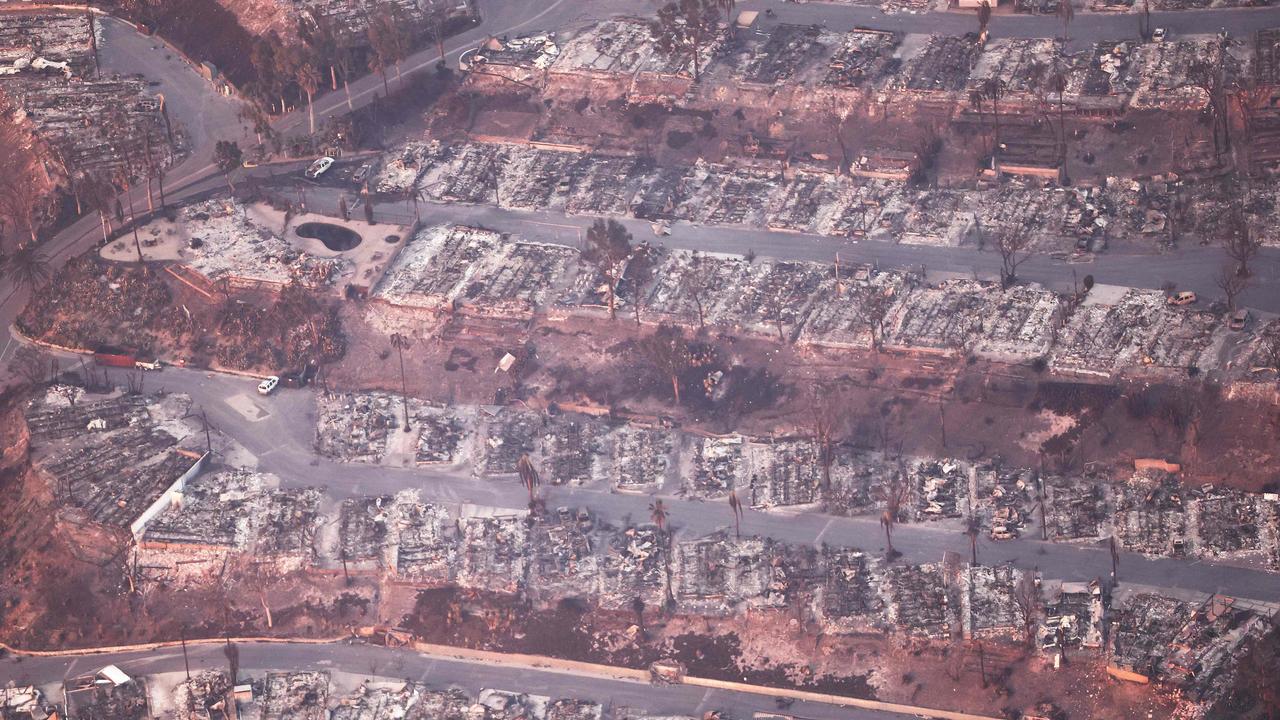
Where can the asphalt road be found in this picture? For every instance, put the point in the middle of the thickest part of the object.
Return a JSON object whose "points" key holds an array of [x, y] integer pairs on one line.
{"points": [[283, 443], [1192, 266], [435, 671]]}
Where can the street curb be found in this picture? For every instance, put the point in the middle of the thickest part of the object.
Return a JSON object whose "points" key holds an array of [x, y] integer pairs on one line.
{"points": [[544, 663], [22, 337], [143, 647]]}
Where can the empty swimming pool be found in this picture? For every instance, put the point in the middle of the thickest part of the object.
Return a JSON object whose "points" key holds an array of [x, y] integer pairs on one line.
{"points": [[334, 237]]}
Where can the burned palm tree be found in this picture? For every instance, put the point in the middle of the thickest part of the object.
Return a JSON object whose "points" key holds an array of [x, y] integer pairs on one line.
{"points": [[736, 506], [402, 343], [972, 527], [658, 513], [528, 477]]}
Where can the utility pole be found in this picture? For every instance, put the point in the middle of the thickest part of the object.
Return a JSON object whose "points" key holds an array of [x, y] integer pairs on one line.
{"points": [[208, 439], [185, 662], [1115, 558]]}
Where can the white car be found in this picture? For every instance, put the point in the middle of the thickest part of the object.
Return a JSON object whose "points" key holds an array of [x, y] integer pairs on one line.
{"points": [[149, 365], [319, 167], [266, 386], [1159, 35]]}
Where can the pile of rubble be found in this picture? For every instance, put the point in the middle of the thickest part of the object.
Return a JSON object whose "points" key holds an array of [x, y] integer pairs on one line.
{"points": [[49, 74], [1073, 616], [1120, 329], [447, 266], [231, 515], [114, 458], [1190, 644], [785, 52], [226, 241], [368, 427]]}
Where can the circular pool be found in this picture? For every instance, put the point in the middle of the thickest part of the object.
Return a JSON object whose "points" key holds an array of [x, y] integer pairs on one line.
{"points": [[334, 237]]}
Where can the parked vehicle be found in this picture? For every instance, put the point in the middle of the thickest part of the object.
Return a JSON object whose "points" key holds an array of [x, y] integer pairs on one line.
{"points": [[1159, 35], [1186, 297], [149, 365], [1239, 319], [319, 167], [267, 386], [362, 173], [115, 357]]}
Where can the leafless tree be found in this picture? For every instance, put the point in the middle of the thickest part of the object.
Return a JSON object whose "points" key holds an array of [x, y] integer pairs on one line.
{"points": [[1269, 353], [696, 284], [685, 27], [1241, 243], [838, 114], [1249, 97], [1026, 597], [1231, 283], [827, 407], [30, 364], [1014, 248], [640, 272], [1067, 13], [874, 309], [608, 248], [668, 351], [433, 19], [893, 494], [1209, 76], [775, 309]]}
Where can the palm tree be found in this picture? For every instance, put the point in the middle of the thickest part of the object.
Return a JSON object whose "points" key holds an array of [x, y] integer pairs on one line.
{"points": [[27, 267], [402, 343], [528, 476], [972, 527], [984, 17], [308, 79], [736, 506], [994, 90], [658, 513]]}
